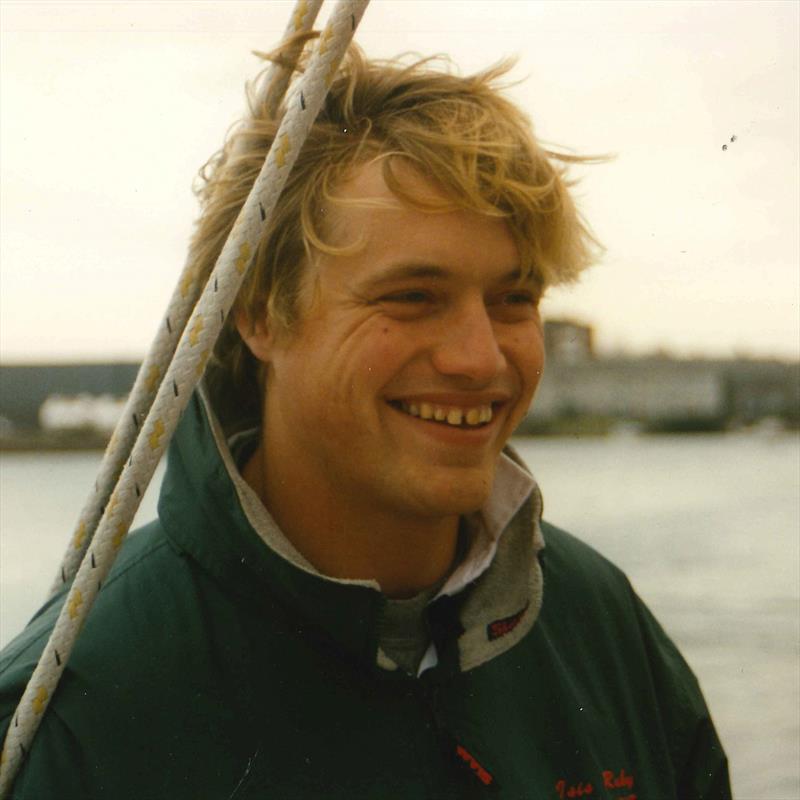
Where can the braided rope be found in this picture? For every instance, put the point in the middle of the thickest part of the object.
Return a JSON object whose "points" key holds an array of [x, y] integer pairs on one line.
{"points": [[182, 375], [277, 82], [162, 349]]}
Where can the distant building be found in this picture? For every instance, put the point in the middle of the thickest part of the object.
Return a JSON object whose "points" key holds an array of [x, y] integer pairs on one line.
{"points": [[24, 388], [757, 389], [653, 389], [635, 389], [568, 342], [80, 412]]}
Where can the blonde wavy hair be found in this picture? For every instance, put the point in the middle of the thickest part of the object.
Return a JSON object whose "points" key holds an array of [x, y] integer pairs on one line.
{"points": [[461, 132]]}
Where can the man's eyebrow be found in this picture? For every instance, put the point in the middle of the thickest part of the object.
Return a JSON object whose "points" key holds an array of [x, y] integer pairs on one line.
{"points": [[401, 272], [527, 278], [516, 275]]}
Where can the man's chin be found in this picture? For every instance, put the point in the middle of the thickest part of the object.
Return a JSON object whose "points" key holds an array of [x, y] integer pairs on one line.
{"points": [[460, 493]]}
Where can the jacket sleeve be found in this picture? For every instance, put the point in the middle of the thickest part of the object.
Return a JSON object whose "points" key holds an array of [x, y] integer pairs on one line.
{"points": [[699, 762], [50, 769]]}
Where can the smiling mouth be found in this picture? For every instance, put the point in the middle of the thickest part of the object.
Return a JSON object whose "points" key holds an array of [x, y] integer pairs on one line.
{"points": [[454, 416]]}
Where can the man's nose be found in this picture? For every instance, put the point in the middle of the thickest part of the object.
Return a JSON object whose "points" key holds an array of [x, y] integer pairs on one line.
{"points": [[468, 346]]}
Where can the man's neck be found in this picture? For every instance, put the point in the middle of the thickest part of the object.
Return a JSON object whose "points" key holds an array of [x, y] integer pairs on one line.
{"points": [[405, 555]]}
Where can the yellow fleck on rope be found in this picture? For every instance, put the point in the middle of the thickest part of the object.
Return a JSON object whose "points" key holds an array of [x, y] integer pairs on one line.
{"points": [[153, 374], [40, 701], [197, 329], [122, 529], [244, 256], [155, 436], [324, 41], [186, 282], [75, 603], [80, 536], [282, 151]]}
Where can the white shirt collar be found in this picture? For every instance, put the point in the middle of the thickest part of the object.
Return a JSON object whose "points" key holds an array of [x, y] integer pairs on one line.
{"points": [[512, 487]]}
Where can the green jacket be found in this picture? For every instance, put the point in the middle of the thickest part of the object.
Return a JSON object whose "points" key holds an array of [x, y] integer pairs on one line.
{"points": [[211, 667]]}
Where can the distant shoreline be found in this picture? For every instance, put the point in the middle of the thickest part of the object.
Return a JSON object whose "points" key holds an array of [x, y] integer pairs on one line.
{"points": [[53, 441], [91, 440]]}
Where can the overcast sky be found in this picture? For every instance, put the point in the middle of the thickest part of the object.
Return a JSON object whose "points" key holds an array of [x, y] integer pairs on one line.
{"points": [[109, 109]]}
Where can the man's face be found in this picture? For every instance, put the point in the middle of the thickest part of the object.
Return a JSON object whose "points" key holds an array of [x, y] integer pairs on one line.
{"points": [[413, 361]]}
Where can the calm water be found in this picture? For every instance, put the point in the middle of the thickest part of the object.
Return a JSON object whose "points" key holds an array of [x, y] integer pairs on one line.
{"points": [[707, 528]]}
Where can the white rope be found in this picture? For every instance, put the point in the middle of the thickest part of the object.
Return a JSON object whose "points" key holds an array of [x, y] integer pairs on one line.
{"points": [[163, 346], [274, 88], [185, 370]]}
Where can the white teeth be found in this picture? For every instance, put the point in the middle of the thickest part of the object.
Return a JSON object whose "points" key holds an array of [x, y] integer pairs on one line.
{"points": [[486, 414], [454, 416], [426, 411], [439, 414], [413, 409]]}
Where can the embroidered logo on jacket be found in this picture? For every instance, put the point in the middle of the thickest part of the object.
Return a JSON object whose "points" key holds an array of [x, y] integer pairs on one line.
{"points": [[500, 627], [619, 781]]}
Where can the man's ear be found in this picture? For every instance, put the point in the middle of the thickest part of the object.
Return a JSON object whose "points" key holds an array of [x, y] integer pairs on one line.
{"points": [[256, 335]]}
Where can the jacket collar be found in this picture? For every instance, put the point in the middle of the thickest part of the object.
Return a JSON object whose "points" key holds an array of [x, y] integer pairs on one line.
{"points": [[211, 514]]}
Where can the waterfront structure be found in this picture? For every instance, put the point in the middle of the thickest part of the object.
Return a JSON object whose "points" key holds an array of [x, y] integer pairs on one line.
{"points": [[654, 392], [24, 388], [657, 391], [633, 389]]}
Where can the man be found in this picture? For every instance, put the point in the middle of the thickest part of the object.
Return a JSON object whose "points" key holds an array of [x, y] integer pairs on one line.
{"points": [[349, 591]]}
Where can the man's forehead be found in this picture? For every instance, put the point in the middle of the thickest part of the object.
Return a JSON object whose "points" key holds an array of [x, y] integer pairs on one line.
{"points": [[367, 182], [440, 240], [357, 201]]}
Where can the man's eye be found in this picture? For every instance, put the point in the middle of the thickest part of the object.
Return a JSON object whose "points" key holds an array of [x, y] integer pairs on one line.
{"points": [[517, 305], [520, 298], [412, 297]]}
